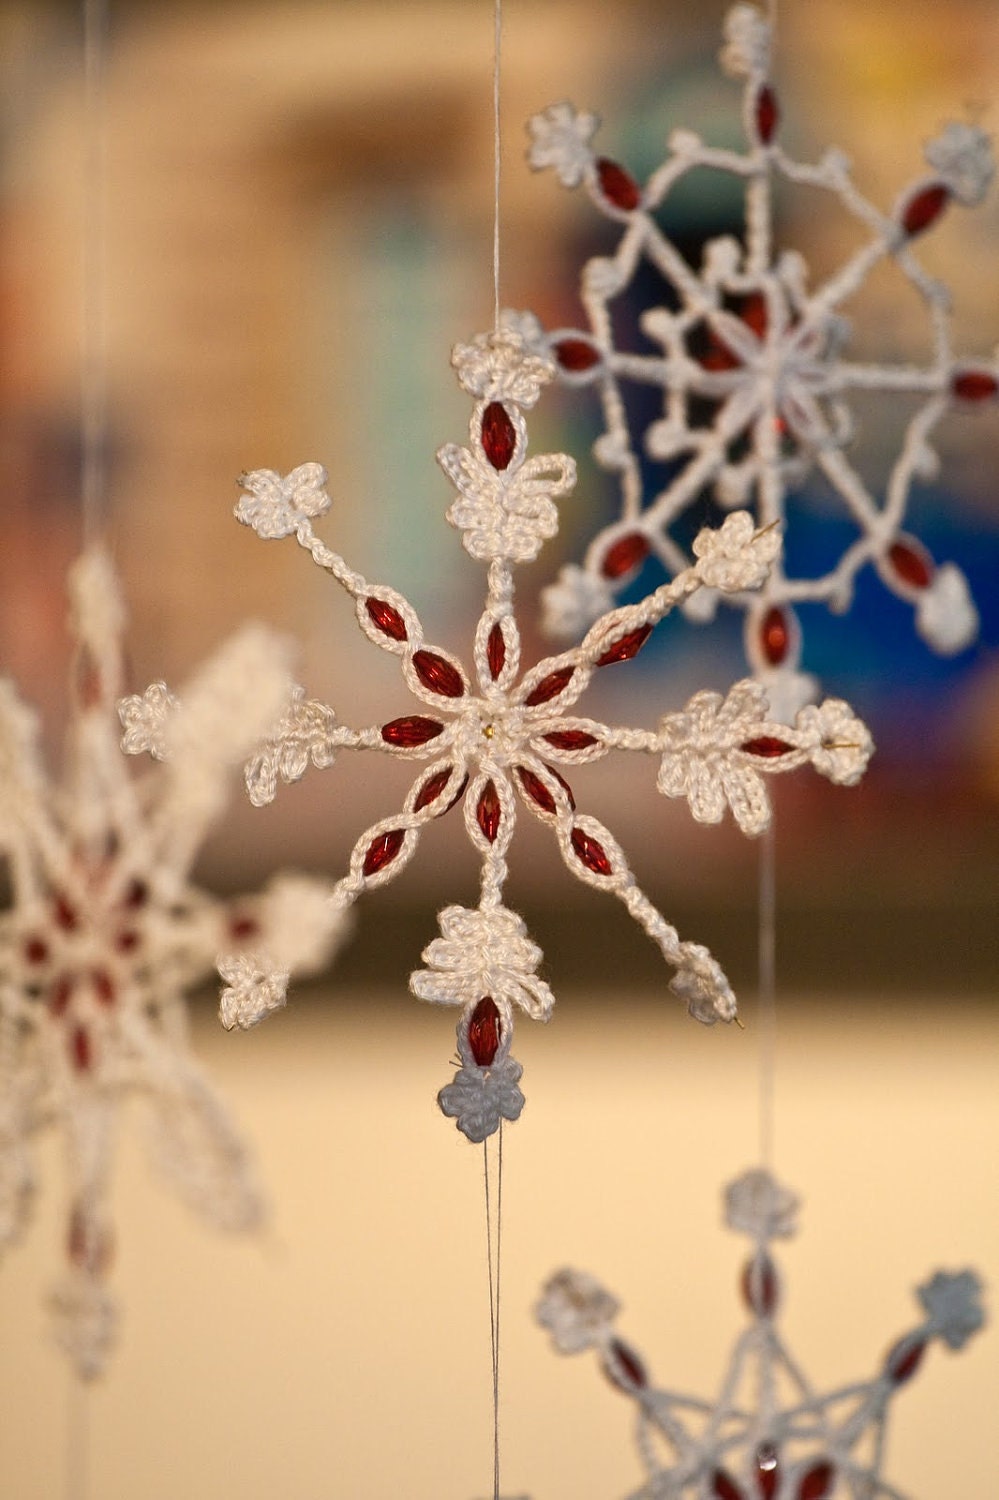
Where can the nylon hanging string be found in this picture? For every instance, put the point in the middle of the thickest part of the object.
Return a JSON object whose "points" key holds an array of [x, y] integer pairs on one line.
{"points": [[767, 980], [93, 340], [494, 1243]]}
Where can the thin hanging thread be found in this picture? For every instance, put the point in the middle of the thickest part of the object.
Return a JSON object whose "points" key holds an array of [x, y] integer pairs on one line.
{"points": [[494, 1244], [77, 1438], [767, 975], [93, 362], [497, 59]]}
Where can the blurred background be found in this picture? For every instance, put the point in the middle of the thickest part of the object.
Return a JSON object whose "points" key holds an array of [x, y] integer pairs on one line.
{"points": [[299, 227]]}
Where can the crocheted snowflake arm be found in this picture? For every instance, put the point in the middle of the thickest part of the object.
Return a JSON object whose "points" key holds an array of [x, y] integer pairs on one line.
{"points": [[767, 355], [105, 933], [769, 1432]]}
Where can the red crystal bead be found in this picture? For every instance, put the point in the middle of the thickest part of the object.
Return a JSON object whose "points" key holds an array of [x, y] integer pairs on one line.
{"points": [[624, 1367], [81, 1050], [386, 619], [65, 915], [617, 185], [904, 1359], [127, 940], [775, 635], [499, 436], [625, 647], [484, 1031], [489, 811], [496, 650], [759, 1284], [88, 680], [767, 1471], [624, 554], [136, 894], [536, 790], [411, 730], [383, 850], [431, 789], [243, 927], [590, 852], [36, 950], [766, 114], [925, 207], [59, 994], [974, 385], [86, 1245], [767, 746], [911, 562], [753, 312], [725, 1488], [549, 687], [103, 986], [570, 739], [816, 1482], [438, 675], [576, 355]]}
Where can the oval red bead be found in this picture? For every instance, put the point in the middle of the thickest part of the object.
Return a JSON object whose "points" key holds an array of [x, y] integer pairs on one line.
{"points": [[383, 850], [617, 185], [912, 564], [725, 1488], [65, 915], [775, 635], [767, 1471], [81, 1051], [925, 207], [624, 1366], [386, 619], [431, 789], [570, 739], [136, 894], [624, 554], [766, 113], [549, 687], [904, 1360], [625, 647], [59, 994], [767, 746], [36, 950], [438, 675], [243, 927], [103, 986], [753, 312], [974, 385], [127, 940], [496, 650], [536, 790], [576, 355], [488, 811], [484, 1031], [410, 730], [759, 1284], [817, 1482], [590, 852], [499, 436]]}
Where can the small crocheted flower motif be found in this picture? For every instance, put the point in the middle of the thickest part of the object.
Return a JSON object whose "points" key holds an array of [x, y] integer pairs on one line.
{"points": [[498, 738], [105, 934], [769, 1434], [712, 756], [560, 138], [758, 1205], [759, 385], [485, 1089], [497, 367], [303, 736], [576, 1310], [952, 1301], [962, 155], [274, 507]]}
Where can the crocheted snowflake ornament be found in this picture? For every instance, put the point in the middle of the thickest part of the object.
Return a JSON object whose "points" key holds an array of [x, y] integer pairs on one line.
{"points": [[770, 1435], [500, 737], [103, 935], [748, 339]]}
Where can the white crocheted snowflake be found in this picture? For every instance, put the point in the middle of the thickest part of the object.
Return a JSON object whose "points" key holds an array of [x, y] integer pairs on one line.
{"points": [[748, 340], [770, 1434], [500, 737], [104, 934]]}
